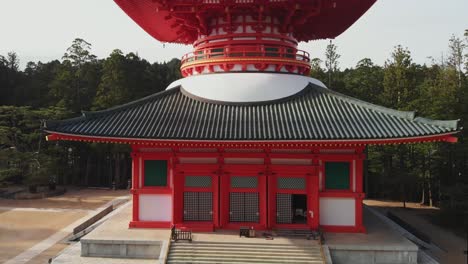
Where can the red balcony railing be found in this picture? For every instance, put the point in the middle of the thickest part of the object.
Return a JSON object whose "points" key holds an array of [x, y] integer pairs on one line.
{"points": [[242, 52]]}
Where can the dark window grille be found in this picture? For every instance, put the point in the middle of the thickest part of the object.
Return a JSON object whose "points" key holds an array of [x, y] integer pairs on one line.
{"points": [[284, 210], [244, 182], [198, 181], [244, 207], [198, 206], [291, 183]]}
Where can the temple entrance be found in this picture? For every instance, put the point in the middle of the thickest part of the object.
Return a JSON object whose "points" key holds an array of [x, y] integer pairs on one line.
{"points": [[293, 198], [243, 197], [299, 207], [196, 203], [198, 198], [291, 208]]}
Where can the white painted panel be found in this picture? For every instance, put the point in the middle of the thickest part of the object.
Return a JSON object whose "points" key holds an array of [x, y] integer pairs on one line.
{"points": [[244, 87], [337, 211], [155, 207]]}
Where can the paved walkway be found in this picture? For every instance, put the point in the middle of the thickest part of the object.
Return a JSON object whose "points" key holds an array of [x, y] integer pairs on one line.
{"points": [[115, 228], [33, 234], [53, 210], [419, 216], [37, 249]]}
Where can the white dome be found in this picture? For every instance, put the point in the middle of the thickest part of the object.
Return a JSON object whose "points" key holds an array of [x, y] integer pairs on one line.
{"points": [[244, 87]]}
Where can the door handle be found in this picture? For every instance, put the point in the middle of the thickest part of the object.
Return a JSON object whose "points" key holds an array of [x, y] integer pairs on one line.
{"points": [[311, 214]]}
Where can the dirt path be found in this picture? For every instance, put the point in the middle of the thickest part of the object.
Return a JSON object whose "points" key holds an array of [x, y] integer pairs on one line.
{"points": [[22, 230], [84, 199], [24, 223], [418, 216]]}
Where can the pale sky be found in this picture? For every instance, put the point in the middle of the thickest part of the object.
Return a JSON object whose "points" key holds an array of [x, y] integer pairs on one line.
{"points": [[42, 30]]}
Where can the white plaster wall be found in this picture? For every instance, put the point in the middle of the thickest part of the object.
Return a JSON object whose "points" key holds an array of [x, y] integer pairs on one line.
{"points": [[155, 207], [337, 211], [244, 87]]}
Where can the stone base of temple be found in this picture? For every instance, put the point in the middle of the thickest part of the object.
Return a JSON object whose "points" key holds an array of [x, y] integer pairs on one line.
{"points": [[381, 243]]}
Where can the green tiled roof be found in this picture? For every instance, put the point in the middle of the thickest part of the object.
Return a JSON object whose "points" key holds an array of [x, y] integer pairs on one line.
{"points": [[316, 113]]}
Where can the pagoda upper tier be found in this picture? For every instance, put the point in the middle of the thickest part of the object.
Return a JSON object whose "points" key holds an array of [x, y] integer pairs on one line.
{"points": [[183, 21], [244, 35]]}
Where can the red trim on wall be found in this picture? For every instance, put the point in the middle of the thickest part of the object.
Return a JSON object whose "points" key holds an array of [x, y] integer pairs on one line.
{"points": [[149, 224], [196, 226], [280, 144], [152, 191]]}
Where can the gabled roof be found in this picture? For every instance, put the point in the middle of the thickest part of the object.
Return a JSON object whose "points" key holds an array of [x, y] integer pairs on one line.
{"points": [[314, 114]]}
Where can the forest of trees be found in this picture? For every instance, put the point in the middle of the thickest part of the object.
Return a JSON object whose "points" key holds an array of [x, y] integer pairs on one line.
{"points": [[432, 173]]}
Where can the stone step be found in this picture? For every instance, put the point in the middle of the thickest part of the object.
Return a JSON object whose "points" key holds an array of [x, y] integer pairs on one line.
{"points": [[249, 251], [232, 255], [234, 262], [244, 245], [216, 259], [241, 245]]}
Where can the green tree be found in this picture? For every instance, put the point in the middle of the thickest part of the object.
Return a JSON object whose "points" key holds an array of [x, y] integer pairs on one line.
{"points": [[331, 61], [364, 81], [79, 53], [399, 79], [456, 57], [77, 78], [23, 151], [113, 88], [316, 70]]}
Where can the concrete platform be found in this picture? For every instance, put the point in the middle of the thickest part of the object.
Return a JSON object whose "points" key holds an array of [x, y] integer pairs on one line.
{"points": [[114, 243], [232, 236], [114, 239], [380, 245]]}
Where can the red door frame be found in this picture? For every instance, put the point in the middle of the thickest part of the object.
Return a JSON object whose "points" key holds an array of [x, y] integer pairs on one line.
{"points": [[182, 170], [309, 172], [243, 171]]}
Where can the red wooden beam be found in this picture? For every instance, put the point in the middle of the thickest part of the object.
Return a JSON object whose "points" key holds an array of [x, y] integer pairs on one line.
{"points": [[279, 144]]}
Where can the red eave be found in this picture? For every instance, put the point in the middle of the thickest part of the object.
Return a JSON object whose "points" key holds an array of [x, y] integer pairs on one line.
{"points": [[447, 137]]}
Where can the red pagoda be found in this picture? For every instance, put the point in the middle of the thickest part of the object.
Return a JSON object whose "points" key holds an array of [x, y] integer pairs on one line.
{"points": [[247, 138]]}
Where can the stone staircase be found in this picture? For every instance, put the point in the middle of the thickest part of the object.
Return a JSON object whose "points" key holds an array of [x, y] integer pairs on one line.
{"points": [[234, 253], [299, 233]]}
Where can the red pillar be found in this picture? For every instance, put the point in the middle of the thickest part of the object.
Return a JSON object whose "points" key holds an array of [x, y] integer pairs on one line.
{"points": [[360, 195], [135, 186], [215, 183], [262, 181]]}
